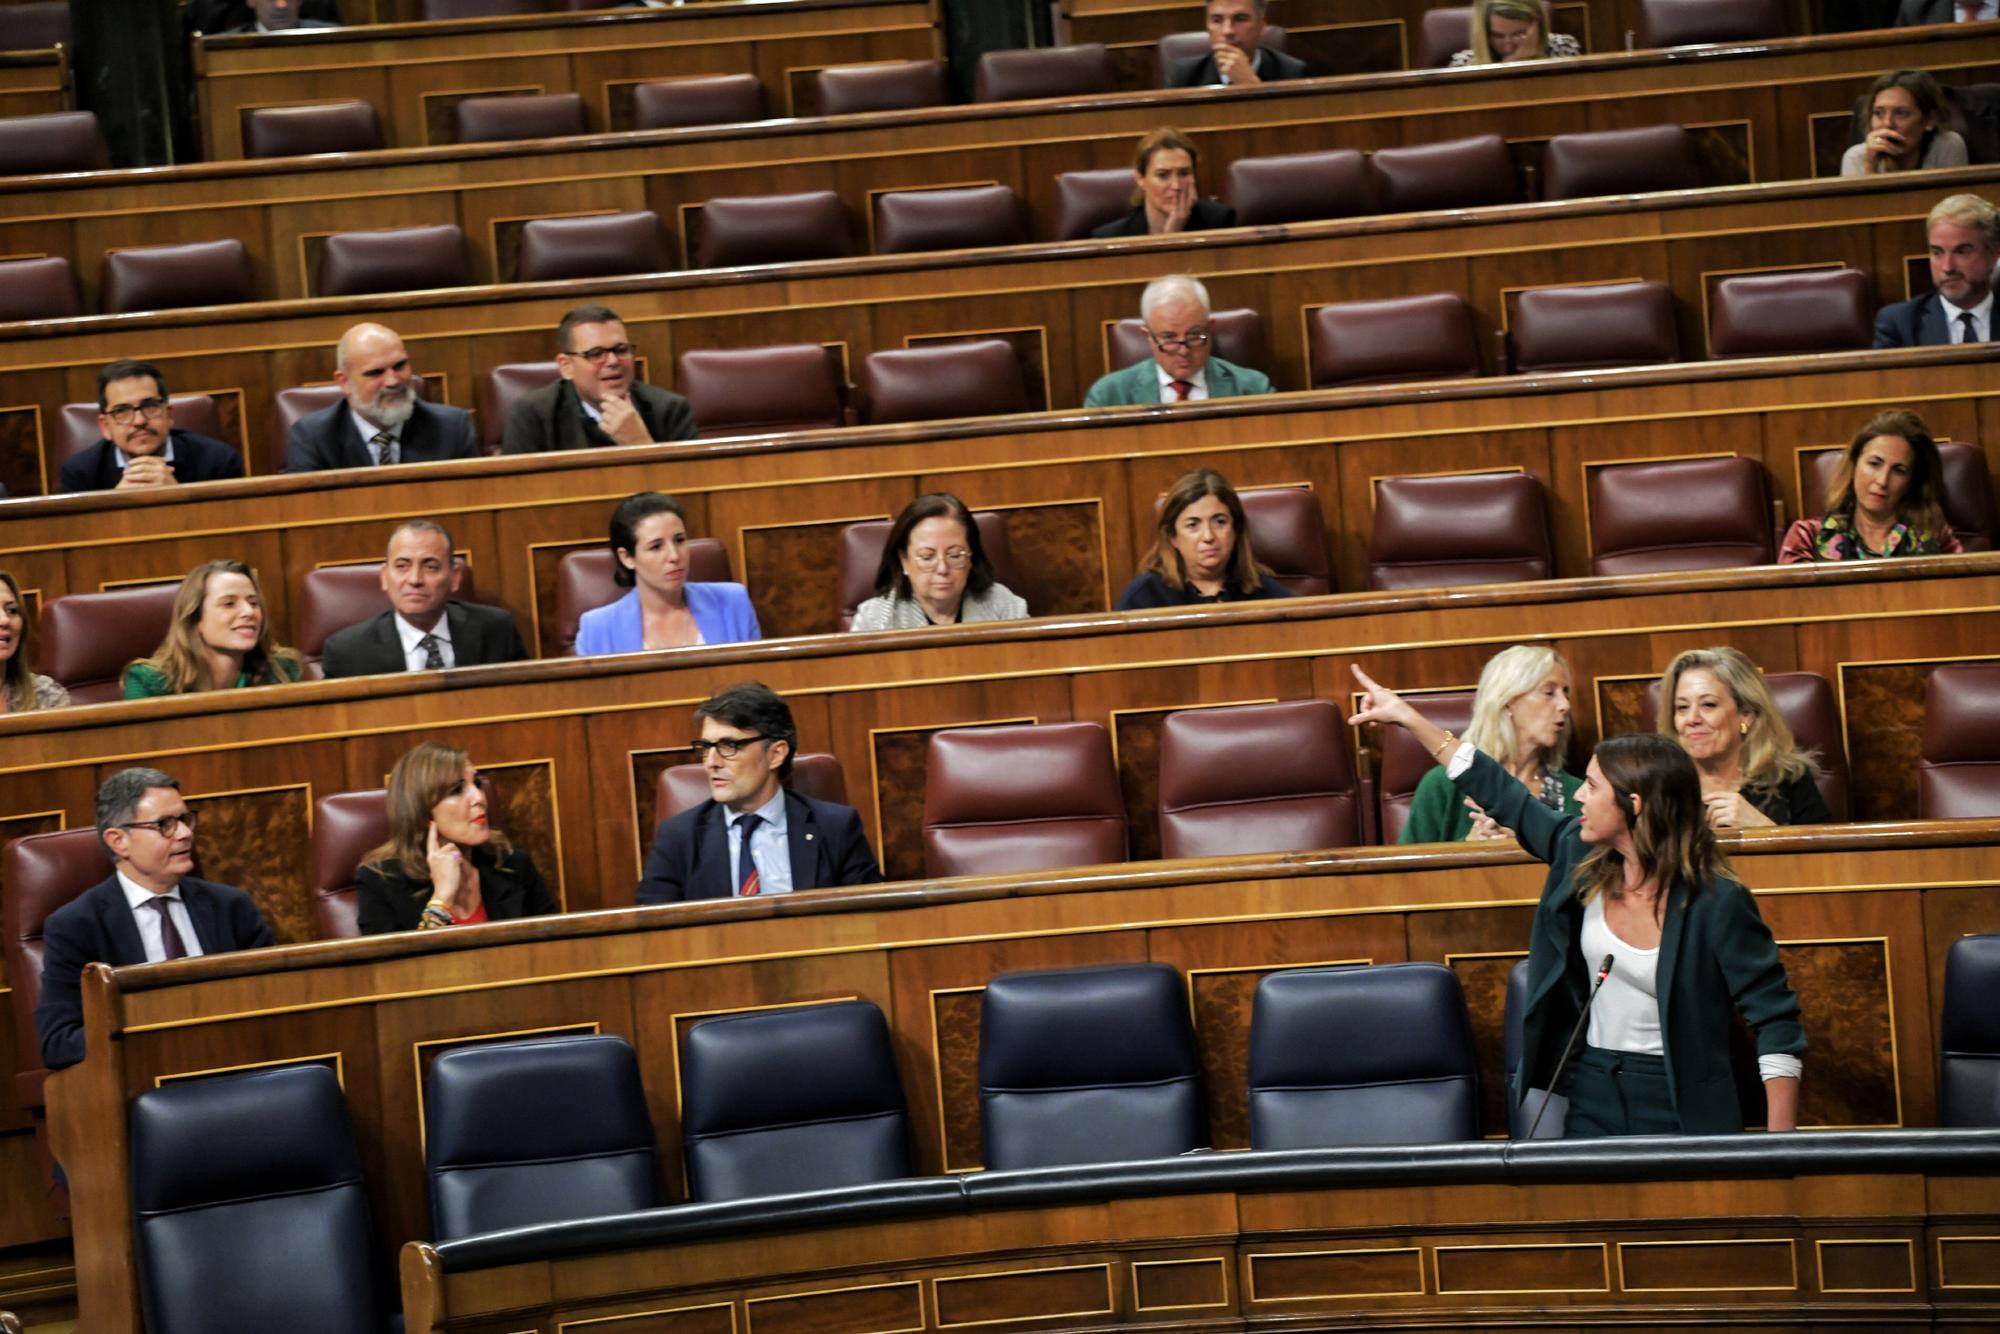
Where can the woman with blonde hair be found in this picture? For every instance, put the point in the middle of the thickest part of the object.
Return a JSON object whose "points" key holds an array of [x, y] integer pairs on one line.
{"points": [[1881, 501], [444, 865], [1521, 717], [21, 686], [219, 639], [1166, 195], [1508, 30], [1201, 550], [1753, 774]]}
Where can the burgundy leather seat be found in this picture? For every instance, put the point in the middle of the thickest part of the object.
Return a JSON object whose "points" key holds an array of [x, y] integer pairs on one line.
{"points": [[892, 86], [1179, 46], [50, 142], [338, 596], [1478, 528], [347, 826], [585, 579], [682, 787], [1299, 187], [909, 221], [1958, 777], [169, 277], [1806, 703], [43, 288], [42, 872], [38, 25], [1404, 763], [1963, 483], [1618, 162], [1788, 314], [1444, 33], [1053, 71], [500, 388], [754, 390], [1257, 778], [398, 259], [704, 99], [1086, 200], [440, 10], [288, 405], [1686, 22], [603, 245], [1425, 337], [1032, 798], [88, 638], [1235, 335], [325, 127], [1684, 514], [861, 557], [480, 120], [78, 430], [1453, 173], [1289, 534], [1583, 328], [772, 229], [981, 378]]}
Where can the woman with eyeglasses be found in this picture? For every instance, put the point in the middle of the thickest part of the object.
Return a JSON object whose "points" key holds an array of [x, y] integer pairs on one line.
{"points": [[1166, 194], [1905, 111], [1201, 551], [1508, 30], [649, 540], [21, 686], [444, 865], [934, 572], [219, 639]]}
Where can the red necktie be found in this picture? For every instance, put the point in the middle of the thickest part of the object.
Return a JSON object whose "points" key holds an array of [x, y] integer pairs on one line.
{"points": [[1181, 388], [747, 880], [1968, 10]]}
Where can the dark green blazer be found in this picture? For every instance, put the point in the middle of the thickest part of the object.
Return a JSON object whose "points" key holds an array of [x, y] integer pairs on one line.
{"points": [[1715, 954], [1140, 383]]}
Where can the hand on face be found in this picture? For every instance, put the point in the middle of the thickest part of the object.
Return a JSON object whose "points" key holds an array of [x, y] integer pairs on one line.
{"points": [[445, 862], [1168, 185], [1234, 66], [621, 421]]}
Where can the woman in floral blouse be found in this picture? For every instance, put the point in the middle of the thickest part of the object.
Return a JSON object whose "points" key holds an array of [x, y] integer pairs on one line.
{"points": [[1883, 499]]}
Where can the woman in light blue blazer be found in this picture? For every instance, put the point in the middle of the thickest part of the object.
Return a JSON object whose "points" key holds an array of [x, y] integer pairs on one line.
{"points": [[649, 541]]}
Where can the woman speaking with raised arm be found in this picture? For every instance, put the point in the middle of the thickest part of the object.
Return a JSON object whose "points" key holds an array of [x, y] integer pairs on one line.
{"points": [[1637, 875]]}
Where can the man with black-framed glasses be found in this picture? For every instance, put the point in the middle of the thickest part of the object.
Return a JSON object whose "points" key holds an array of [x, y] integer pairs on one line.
{"points": [[753, 835], [1183, 368], [599, 399], [140, 447], [150, 910]]}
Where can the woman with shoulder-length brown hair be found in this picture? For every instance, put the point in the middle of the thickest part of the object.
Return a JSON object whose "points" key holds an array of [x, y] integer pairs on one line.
{"points": [[1636, 880], [1881, 501], [1166, 195], [21, 686], [1906, 130], [219, 639], [1753, 774], [1201, 551], [444, 865]]}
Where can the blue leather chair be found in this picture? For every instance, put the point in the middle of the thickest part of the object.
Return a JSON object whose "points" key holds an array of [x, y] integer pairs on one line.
{"points": [[1088, 1065], [792, 1100], [1521, 1115], [1322, 1075], [530, 1132], [1969, 1054]]}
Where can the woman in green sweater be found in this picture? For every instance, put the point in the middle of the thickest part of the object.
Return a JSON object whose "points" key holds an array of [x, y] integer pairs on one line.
{"points": [[219, 639], [1521, 717]]}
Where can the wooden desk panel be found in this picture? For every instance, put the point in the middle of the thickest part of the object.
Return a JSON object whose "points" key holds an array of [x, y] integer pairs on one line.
{"points": [[33, 83]]}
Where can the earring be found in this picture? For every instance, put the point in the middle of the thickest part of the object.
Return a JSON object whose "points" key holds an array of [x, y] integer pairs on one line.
{"points": [[1743, 728]]}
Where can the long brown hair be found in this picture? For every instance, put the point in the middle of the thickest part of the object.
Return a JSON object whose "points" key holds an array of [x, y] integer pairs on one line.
{"points": [[1165, 559], [421, 779], [1671, 840], [179, 658], [1920, 507], [18, 678]]}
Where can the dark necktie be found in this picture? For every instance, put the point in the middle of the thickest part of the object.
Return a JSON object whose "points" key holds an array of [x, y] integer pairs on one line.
{"points": [[385, 448], [171, 943], [1968, 10], [1181, 388], [746, 866], [433, 655], [1971, 329]]}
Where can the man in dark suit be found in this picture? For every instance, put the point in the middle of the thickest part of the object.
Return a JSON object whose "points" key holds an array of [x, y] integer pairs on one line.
{"points": [[279, 16], [149, 910], [380, 419], [753, 835], [1235, 56], [141, 449], [1964, 236], [1915, 13], [424, 629], [599, 400]]}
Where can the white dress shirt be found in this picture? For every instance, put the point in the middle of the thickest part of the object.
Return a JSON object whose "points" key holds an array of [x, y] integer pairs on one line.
{"points": [[1982, 319], [769, 848], [1195, 395], [148, 919], [412, 637]]}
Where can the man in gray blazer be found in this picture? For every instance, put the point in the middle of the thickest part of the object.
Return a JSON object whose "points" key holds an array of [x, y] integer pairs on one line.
{"points": [[424, 629], [1175, 310], [380, 419], [599, 400]]}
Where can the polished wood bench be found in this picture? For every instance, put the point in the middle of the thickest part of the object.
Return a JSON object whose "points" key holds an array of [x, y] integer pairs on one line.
{"points": [[33, 83]]}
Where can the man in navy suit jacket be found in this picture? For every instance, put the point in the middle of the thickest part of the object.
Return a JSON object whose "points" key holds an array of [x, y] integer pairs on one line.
{"points": [[380, 418], [1964, 236], [150, 909], [793, 842], [140, 447]]}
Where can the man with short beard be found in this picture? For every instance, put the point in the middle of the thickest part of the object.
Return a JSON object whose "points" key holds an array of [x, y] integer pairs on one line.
{"points": [[380, 419]]}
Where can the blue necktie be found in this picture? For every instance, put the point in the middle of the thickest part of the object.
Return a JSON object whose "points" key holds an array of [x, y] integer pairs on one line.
{"points": [[746, 866]]}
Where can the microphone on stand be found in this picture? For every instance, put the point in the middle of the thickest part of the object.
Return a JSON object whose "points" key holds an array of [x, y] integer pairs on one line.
{"points": [[1569, 1048]]}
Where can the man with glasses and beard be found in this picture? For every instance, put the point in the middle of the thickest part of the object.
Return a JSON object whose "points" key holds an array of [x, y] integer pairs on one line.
{"points": [[141, 448], [380, 419], [599, 400], [1182, 370]]}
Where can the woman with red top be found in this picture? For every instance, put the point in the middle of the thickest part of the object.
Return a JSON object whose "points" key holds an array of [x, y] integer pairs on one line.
{"points": [[1883, 499]]}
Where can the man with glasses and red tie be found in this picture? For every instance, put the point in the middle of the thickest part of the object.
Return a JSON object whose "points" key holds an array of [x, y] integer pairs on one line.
{"points": [[140, 447], [754, 835], [1175, 311], [599, 400], [150, 909]]}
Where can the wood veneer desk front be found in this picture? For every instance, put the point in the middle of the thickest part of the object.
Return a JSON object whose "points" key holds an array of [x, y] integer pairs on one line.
{"points": [[34, 83]]}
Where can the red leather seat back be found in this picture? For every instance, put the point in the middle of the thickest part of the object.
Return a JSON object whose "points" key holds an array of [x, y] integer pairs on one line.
{"points": [[1617, 162], [1684, 514], [1052, 71], [1235, 335], [170, 277], [601, 246], [893, 86], [1028, 798], [41, 873], [88, 638], [500, 388], [351, 126], [1289, 534], [479, 120], [1257, 778], [192, 412], [909, 221], [1958, 777], [703, 99], [753, 390], [684, 786], [944, 380], [1789, 314], [1445, 32], [1686, 22], [1453, 173], [50, 142], [1086, 200], [43, 288], [772, 229], [1404, 762], [1805, 701], [861, 557], [585, 579], [1425, 337], [1582, 328], [1964, 487], [399, 259], [38, 25], [1479, 528], [347, 826], [1299, 187]]}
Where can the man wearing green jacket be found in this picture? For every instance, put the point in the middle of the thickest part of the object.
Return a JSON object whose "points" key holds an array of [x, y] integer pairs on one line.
{"points": [[1181, 370]]}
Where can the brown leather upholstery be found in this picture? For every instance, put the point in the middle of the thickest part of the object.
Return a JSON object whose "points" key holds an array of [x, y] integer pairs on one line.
{"points": [[1178, 46], [704, 99], [1258, 778], [399, 259], [1786, 314], [87, 638], [861, 557], [1425, 337], [772, 229], [1453, 173], [37, 289], [434, 10], [1684, 514], [1086, 200], [1299, 187], [585, 579], [37, 26], [753, 390], [53, 141], [338, 596], [1053, 71], [682, 787], [1445, 32], [1617, 162], [1963, 484], [1805, 701], [480, 120], [41, 872], [981, 378], [1958, 777], [1685, 22], [325, 127], [78, 432], [288, 405], [1404, 763], [1028, 798], [1478, 528], [167, 277], [908, 221], [600, 246], [1238, 336], [500, 388], [892, 86], [1582, 328], [1289, 533], [347, 826]]}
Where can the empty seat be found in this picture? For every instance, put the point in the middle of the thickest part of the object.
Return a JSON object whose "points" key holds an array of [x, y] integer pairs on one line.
{"points": [[1087, 1065], [1404, 762], [890, 86], [1322, 1075], [500, 387], [682, 787], [168, 277], [1525, 1115], [1299, 793], [399, 259], [1958, 776], [772, 229], [1806, 703], [325, 127], [1178, 46], [440, 10], [1454, 173], [37, 25], [41, 872], [586, 578], [974, 379], [1086, 200], [1443, 34], [1964, 487], [520, 1133], [1474, 528], [1583, 328], [753, 390], [1028, 798], [347, 826], [478, 120], [78, 429], [1684, 514], [1299, 187], [1685, 22], [600, 246], [782, 1101], [37, 289], [1969, 1035], [53, 141], [861, 557], [1788, 314], [704, 99], [1617, 162], [1055, 71], [1426, 337], [87, 638], [909, 221], [1234, 335]]}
